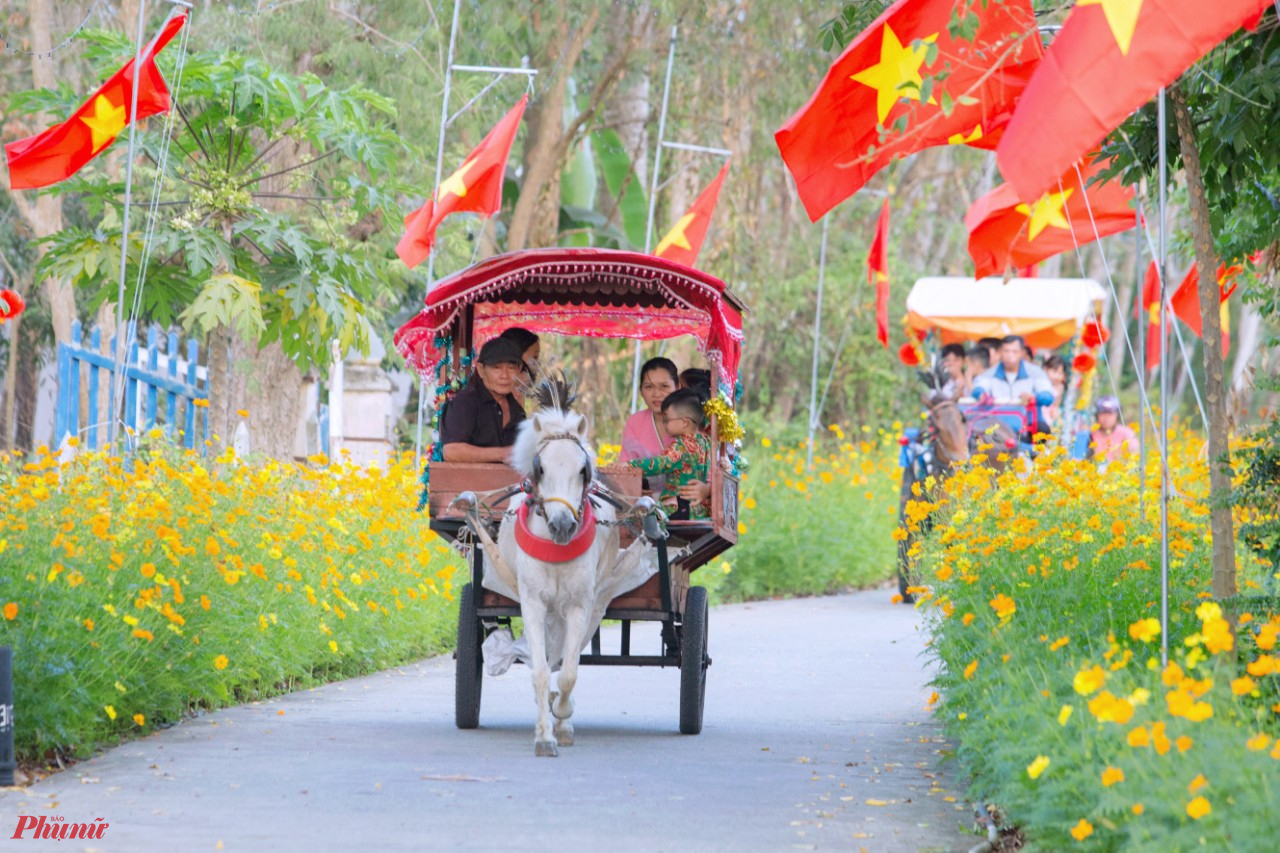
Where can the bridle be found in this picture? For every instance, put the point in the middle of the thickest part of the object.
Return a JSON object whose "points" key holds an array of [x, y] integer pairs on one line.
{"points": [[936, 461], [532, 485]]}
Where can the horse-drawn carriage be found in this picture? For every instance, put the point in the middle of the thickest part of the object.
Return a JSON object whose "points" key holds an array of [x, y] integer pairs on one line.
{"points": [[596, 293], [1046, 312]]}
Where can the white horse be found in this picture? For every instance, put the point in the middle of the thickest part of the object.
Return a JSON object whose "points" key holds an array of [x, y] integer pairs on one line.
{"points": [[558, 554]]}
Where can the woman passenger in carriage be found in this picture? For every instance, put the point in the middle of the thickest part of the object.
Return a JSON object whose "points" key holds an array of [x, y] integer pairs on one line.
{"points": [[685, 462], [644, 434], [479, 423]]}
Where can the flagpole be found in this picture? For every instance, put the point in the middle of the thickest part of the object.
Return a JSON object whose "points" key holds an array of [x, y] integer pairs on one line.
{"points": [[1165, 319], [653, 197], [817, 337], [431, 257], [1140, 364], [121, 350]]}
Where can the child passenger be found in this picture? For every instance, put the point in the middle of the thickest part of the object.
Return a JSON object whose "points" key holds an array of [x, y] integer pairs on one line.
{"points": [[685, 460]]}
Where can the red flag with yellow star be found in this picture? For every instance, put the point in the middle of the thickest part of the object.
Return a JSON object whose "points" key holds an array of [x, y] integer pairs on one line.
{"points": [[1151, 305], [475, 188], [851, 126], [62, 150], [878, 274], [683, 242], [1185, 301], [1004, 231], [1110, 57]]}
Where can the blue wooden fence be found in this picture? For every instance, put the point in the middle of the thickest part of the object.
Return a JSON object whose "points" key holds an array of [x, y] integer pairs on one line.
{"points": [[146, 383]]}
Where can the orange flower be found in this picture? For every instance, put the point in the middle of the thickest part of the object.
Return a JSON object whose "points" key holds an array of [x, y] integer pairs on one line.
{"points": [[1004, 606], [1138, 808], [11, 611], [140, 719], [1184, 742], [1242, 686], [1139, 737], [970, 669], [88, 624], [1082, 830], [1258, 742], [1111, 776], [220, 662], [148, 570], [143, 634], [1197, 783], [204, 602]]}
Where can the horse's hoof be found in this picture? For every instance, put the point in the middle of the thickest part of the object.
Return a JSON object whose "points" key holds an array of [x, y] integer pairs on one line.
{"points": [[545, 749], [564, 737]]}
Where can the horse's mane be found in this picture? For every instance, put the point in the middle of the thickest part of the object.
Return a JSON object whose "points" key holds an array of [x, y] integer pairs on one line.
{"points": [[553, 395]]}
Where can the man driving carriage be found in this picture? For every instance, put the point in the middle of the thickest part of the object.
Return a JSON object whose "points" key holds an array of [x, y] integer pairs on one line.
{"points": [[479, 423], [1016, 380]]}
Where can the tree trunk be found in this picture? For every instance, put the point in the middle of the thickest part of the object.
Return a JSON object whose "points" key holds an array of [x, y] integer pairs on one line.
{"points": [[45, 216], [27, 363], [1220, 522]]}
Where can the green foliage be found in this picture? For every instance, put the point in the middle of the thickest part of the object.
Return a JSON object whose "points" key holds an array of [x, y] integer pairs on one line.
{"points": [[1029, 589], [1257, 492], [271, 181], [819, 531]]}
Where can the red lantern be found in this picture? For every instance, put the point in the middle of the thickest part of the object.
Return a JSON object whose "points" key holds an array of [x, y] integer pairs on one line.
{"points": [[1094, 334], [909, 355], [11, 304], [1084, 362]]}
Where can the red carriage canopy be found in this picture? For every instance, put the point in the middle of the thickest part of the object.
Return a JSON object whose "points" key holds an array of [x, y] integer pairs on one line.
{"points": [[604, 293]]}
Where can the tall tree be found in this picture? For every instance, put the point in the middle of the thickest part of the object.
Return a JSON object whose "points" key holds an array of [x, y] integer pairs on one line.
{"points": [[261, 242]]}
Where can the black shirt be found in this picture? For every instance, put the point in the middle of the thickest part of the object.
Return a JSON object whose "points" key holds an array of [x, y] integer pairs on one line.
{"points": [[474, 417]]}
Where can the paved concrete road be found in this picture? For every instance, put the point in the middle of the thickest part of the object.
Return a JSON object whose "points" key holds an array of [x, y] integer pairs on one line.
{"points": [[815, 737]]}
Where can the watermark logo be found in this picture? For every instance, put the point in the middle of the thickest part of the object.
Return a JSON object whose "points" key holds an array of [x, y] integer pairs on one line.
{"points": [[56, 827]]}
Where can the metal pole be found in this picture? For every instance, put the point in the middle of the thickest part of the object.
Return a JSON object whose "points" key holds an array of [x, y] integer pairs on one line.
{"points": [[118, 366], [8, 761], [1165, 319], [1141, 366], [431, 258], [817, 337], [653, 193]]}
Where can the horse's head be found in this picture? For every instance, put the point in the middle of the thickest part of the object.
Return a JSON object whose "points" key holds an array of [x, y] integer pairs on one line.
{"points": [[947, 430], [993, 438], [554, 455]]}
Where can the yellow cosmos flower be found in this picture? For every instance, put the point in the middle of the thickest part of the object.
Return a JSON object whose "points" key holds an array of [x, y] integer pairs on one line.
{"points": [[1065, 714], [111, 711], [1198, 808], [220, 662], [1145, 630], [1258, 742], [140, 719], [1089, 680], [1038, 766], [1112, 776]]}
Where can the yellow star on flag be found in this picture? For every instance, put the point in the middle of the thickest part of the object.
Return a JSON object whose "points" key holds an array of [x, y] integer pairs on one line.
{"points": [[676, 237], [106, 122], [961, 139], [897, 74], [1048, 210], [1122, 18], [455, 183]]}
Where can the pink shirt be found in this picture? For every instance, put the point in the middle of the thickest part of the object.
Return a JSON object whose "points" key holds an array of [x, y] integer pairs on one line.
{"points": [[1110, 447], [641, 438]]}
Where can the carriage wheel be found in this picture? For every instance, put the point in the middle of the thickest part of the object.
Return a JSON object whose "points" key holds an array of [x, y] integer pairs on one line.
{"points": [[693, 661], [468, 676]]}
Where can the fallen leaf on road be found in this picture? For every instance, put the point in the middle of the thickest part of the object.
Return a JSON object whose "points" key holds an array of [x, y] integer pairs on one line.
{"points": [[88, 780], [877, 802]]}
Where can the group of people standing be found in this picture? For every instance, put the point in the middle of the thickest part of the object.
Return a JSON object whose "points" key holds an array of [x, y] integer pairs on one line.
{"points": [[667, 439], [999, 371]]}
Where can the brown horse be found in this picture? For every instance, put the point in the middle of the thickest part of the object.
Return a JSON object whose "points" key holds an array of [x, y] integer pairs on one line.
{"points": [[952, 440]]}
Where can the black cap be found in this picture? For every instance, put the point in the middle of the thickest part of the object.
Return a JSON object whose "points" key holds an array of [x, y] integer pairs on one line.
{"points": [[501, 351]]}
